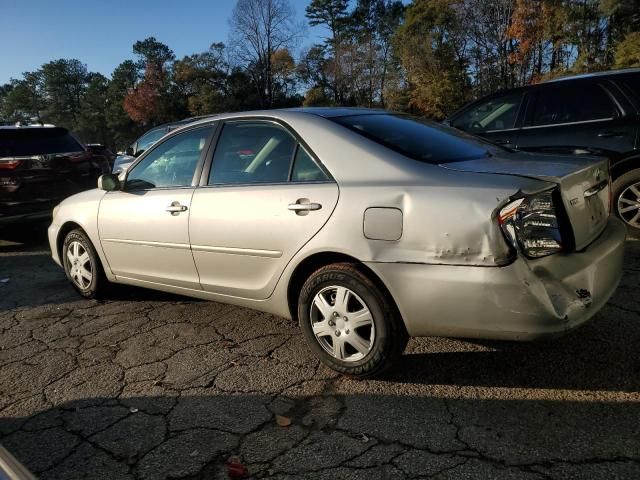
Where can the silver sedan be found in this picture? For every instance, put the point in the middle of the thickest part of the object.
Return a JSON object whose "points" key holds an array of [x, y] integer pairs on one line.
{"points": [[367, 227]]}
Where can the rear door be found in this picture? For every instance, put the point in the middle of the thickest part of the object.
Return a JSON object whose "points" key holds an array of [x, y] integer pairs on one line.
{"points": [[576, 116], [263, 199], [495, 118]]}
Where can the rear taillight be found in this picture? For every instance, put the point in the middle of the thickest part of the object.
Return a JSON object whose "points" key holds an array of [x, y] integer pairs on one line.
{"points": [[530, 225], [9, 164]]}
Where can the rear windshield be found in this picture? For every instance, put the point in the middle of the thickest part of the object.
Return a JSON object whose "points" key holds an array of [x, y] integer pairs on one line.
{"points": [[24, 142], [418, 139]]}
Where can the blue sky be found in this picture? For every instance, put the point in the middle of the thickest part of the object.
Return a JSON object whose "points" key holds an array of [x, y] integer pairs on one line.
{"points": [[100, 33]]}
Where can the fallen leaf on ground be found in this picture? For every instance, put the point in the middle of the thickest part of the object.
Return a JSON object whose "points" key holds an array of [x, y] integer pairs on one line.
{"points": [[283, 421], [235, 468]]}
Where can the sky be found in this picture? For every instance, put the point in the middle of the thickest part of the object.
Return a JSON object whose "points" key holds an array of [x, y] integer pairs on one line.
{"points": [[100, 33]]}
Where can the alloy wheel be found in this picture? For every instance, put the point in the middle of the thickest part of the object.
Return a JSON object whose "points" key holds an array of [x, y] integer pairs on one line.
{"points": [[629, 205], [342, 323], [80, 268]]}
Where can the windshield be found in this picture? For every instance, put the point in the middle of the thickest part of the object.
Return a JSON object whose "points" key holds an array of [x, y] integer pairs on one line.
{"points": [[150, 138], [421, 140], [26, 142]]}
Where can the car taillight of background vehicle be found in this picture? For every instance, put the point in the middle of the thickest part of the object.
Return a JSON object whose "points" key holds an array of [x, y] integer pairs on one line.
{"points": [[530, 225], [9, 164]]}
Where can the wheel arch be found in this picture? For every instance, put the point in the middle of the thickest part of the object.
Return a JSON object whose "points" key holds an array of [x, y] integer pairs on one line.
{"points": [[321, 259], [625, 165]]}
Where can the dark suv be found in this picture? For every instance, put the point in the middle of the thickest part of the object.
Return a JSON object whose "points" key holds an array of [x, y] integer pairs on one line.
{"points": [[596, 113], [40, 166]]}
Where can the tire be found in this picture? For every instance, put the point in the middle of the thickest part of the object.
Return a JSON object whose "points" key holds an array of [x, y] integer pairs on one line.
{"points": [[85, 272], [624, 194], [362, 348]]}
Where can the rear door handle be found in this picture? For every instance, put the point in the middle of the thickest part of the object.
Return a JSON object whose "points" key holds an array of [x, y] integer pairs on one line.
{"points": [[303, 206], [175, 208], [610, 133]]}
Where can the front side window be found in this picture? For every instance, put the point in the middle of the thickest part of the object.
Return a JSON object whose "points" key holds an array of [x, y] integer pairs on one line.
{"points": [[252, 152], [171, 164], [570, 102], [498, 113]]}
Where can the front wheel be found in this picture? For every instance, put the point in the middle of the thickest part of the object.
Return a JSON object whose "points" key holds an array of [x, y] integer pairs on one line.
{"points": [[349, 322], [82, 265], [626, 199]]}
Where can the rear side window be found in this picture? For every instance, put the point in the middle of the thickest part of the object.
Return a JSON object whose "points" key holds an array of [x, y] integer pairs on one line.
{"points": [[252, 152], [305, 168], [570, 102], [418, 139], [25, 142], [498, 113]]}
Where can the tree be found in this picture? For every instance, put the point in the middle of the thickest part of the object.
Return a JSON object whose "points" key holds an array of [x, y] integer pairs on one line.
{"points": [[64, 83], [24, 100], [437, 82], [202, 78], [123, 129], [259, 28], [334, 15], [92, 122], [628, 51], [144, 103], [152, 51]]}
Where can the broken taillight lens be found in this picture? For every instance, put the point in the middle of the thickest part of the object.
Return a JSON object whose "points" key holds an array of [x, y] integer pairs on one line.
{"points": [[530, 225]]}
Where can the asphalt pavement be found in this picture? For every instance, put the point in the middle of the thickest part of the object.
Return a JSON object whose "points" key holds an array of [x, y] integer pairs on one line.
{"points": [[148, 385]]}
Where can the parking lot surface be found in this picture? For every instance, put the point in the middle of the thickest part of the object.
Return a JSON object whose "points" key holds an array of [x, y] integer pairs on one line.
{"points": [[150, 386]]}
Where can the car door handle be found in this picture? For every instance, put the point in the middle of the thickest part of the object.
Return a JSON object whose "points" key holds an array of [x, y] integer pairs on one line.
{"points": [[502, 142], [175, 208], [303, 206], [610, 133]]}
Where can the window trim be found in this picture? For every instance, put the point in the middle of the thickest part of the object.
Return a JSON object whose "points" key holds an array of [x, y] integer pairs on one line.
{"points": [[199, 165], [547, 125], [208, 163]]}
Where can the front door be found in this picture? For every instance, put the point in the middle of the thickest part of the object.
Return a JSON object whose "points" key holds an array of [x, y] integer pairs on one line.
{"points": [[144, 229], [265, 198]]}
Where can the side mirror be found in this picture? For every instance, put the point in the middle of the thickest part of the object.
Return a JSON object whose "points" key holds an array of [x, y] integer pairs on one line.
{"points": [[129, 151], [108, 182]]}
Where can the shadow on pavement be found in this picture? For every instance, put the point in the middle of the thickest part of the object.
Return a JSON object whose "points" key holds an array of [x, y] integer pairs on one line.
{"points": [[331, 436]]}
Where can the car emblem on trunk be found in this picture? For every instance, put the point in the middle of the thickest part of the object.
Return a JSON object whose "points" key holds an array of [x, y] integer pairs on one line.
{"points": [[597, 173]]}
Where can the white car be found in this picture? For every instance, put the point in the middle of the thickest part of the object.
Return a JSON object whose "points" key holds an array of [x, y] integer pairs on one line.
{"points": [[367, 227]]}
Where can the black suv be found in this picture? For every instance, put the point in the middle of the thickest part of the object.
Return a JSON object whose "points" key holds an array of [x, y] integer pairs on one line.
{"points": [[41, 165], [596, 113]]}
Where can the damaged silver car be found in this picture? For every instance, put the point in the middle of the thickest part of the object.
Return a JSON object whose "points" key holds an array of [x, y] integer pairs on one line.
{"points": [[366, 227]]}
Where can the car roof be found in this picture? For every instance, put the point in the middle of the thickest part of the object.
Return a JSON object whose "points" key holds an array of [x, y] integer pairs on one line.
{"points": [[324, 112], [594, 75], [28, 127]]}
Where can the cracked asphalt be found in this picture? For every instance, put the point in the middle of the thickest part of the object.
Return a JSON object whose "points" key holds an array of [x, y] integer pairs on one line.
{"points": [[150, 386]]}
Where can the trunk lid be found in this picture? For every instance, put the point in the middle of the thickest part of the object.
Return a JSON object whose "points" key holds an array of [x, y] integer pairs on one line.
{"points": [[583, 184]]}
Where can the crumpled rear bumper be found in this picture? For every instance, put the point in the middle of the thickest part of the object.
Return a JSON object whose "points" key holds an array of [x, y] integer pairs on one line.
{"points": [[525, 300]]}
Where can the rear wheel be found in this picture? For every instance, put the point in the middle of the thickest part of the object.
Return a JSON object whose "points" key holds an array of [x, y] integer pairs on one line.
{"points": [[349, 322], [82, 265], [626, 199]]}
